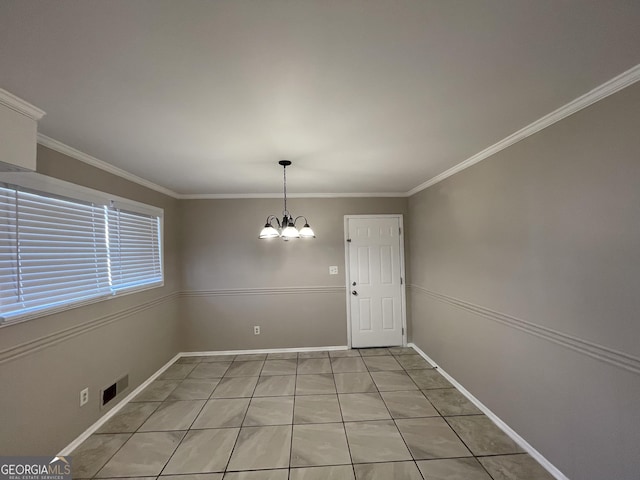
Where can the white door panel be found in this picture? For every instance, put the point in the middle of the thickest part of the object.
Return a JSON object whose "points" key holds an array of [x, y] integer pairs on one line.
{"points": [[375, 281]]}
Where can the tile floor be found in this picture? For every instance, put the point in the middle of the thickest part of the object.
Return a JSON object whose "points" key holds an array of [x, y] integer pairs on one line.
{"points": [[371, 414]]}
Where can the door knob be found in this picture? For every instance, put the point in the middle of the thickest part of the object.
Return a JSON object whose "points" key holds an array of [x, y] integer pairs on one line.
{"points": [[354, 284], [354, 293]]}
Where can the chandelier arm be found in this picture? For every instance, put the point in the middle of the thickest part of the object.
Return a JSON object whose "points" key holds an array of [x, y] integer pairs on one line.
{"points": [[300, 216], [270, 219]]}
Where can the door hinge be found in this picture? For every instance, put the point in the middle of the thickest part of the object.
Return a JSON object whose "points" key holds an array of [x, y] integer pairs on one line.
{"points": [[400, 230], [400, 280], [402, 330]]}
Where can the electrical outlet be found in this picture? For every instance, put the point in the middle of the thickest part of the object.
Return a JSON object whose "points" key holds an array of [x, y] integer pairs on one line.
{"points": [[333, 270], [256, 330], [84, 396]]}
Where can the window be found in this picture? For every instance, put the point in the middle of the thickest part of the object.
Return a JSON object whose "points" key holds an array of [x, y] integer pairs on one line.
{"points": [[134, 243], [57, 251]]}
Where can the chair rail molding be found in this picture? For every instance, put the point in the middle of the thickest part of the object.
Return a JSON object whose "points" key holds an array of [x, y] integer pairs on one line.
{"points": [[53, 338], [605, 354], [233, 292]]}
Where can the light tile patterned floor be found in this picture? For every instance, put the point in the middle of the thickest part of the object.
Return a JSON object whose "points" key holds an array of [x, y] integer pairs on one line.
{"points": [[371, 414]]}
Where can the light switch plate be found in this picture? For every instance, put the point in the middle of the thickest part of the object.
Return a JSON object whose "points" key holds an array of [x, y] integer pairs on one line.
{"points": [[333, 270]]}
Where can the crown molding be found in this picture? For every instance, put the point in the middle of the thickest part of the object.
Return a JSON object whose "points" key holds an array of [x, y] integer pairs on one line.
{"points": [[95, 162], [107, 167], [222, 196], [608, 88], [17, 104]]}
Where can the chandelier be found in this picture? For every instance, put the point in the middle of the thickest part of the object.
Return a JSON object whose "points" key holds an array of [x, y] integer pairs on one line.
{"points": [[287, 228]]}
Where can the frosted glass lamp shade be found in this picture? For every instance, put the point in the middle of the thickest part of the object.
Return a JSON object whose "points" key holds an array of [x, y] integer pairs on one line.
{"points": [[268, 232], [306, 232], [290, 231]]}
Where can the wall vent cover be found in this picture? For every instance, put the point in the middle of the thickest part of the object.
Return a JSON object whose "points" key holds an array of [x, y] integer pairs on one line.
{"points": [[115, 389]]}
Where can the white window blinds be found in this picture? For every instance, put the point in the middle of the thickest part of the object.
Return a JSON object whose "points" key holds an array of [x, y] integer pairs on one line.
{"points": [[56, 251], [134, 243], [8, 252]]}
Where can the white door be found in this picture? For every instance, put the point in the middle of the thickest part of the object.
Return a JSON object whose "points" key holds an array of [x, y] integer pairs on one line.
{"points": [[374, 279]]}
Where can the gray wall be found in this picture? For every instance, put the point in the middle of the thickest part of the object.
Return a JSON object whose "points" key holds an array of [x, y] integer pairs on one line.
{"points": [[45, 362], [525, 273], [221, 251]]}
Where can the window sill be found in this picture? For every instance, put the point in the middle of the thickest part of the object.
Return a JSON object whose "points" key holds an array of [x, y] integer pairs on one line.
{"points": [[45, 312]]}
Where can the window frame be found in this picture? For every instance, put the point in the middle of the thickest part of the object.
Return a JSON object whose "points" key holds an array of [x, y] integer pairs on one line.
{"points": [[39, 183]]}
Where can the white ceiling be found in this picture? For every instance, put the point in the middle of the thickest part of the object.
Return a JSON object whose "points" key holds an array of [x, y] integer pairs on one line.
{"points": [[364, 96]]}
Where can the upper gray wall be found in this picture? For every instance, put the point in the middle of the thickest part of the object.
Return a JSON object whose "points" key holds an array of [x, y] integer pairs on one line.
{"points": [[45, 362], [525, 273], [221, 250]]}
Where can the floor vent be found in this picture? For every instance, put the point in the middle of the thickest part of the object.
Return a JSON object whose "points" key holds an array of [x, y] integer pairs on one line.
{"points": [[112, 391]]}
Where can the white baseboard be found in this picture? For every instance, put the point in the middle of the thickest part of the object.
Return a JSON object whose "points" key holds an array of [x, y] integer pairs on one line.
{"points": [[264, 350], [501, 424], [102, 420]]}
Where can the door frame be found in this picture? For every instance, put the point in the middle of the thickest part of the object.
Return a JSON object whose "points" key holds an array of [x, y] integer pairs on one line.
{"points": [[347, 268]]}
